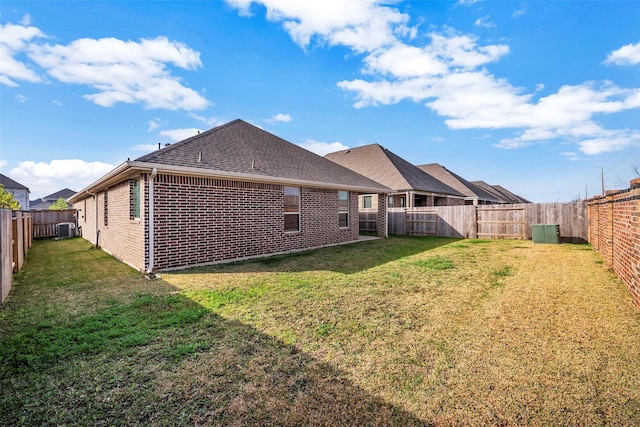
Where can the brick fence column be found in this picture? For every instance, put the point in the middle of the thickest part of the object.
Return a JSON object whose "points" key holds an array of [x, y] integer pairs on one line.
{"points": [[607, 239], [381, 224]]}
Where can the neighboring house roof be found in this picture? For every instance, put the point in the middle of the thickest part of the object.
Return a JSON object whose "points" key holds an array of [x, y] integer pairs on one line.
{"points": [[510, 195], [502, 194], [387, 168], [457, 182], [46, 201], [8, 183], [62, 194], [239, 150]]}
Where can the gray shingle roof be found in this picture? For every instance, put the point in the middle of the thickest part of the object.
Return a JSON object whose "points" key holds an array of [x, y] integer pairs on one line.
{"points": [[389, 169], [457, 182], [64, 193], [46, 201], [240, 147], [510, 195], [502, 194], [11, 184]]}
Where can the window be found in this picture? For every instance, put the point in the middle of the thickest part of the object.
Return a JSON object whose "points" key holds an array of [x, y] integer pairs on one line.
{"points": [[134, 199], [343, 209], [391, 199], [366, 202], [291, 209]]}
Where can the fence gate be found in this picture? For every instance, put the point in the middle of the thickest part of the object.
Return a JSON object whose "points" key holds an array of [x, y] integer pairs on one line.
{"points": [[368, 222], [421, 223], [501, 223]]}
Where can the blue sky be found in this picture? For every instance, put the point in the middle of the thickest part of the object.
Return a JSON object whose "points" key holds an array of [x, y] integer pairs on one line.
{"points": [[535, 96]]}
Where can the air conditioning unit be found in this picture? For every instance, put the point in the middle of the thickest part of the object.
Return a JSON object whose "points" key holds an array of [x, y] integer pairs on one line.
{"points": [[66, 229]]}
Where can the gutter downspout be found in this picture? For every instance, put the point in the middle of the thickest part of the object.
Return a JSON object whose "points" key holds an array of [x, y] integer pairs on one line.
{"points": [[152, 177], [386, 216]]}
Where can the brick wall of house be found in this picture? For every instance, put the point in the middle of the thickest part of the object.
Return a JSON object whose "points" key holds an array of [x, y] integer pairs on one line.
{"points": [[206, 220], [455, 201], [117, 233], [87, 218], [122, 236], [614, 231]]}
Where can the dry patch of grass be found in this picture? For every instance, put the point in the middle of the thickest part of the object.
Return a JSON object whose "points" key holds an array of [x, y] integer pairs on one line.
{"points": [[401, 331]]}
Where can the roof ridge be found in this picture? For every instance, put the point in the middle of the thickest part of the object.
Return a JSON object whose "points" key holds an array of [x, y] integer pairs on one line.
{"points": [[173, 146]]}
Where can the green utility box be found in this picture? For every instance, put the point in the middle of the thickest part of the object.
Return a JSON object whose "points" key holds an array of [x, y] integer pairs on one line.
{"points": [[545, 233]]}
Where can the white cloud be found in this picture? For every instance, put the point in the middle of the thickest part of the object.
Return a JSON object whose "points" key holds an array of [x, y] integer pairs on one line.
{"points": [[463, 51], [280, 117], [44, 178], [448, 74], [359, 24], [444, 55], [3, 163], [570, 155], [626, 55], [180, 134], [119, 71], [153, 124], [467, 2], [56, 102], [146, 147], [477, 100], [484, 22], [124, 71], [209, 121], [322, 148], [520, 12], [21, 98], [14, 40], [402, 60], [610, 141]]}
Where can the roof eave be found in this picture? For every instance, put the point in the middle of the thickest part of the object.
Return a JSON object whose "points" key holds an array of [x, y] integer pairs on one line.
{"points": [[129, 168]]}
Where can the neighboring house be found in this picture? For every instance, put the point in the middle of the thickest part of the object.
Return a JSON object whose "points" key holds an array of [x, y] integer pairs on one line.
{"points": [[19, 191], [412, 187], [233, 192], [45, 202], [474, 195], [503, 195]]}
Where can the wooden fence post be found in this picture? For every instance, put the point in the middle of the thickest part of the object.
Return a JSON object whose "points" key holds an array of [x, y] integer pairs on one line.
{"points": [[6, 254]]}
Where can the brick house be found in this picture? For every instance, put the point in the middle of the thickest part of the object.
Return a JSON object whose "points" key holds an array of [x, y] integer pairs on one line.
{"points": [[45, 202], [411, 187], [233, 192], [473, 195], [503, 195]]}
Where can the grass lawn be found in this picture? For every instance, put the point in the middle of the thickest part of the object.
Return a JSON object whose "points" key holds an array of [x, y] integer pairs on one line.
{"points": [[401, 331]]}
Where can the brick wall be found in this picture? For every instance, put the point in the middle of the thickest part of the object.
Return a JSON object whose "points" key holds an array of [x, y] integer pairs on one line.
{"points": [[206, 220], [122, 237], [614, 231], [115, 232]]}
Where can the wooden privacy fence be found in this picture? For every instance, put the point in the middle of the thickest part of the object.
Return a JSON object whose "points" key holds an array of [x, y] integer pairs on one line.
{"points": [[45, 223], [491, 221], [368, 222], [421, 223], [16, 237], [500, 223]]}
